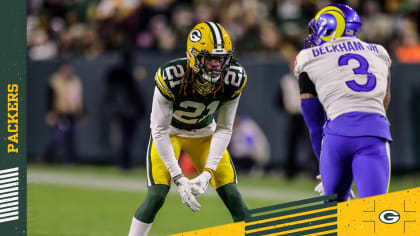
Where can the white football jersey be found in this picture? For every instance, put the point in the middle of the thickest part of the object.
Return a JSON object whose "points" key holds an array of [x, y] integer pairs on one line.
{"points": [[349, 75]]}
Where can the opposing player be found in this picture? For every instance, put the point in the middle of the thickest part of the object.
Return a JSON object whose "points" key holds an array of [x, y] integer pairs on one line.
{"points": [[347, 80], [188, 92]]}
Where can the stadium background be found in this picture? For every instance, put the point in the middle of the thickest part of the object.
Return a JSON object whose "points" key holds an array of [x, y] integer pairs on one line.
{"points": [[265, 34]]}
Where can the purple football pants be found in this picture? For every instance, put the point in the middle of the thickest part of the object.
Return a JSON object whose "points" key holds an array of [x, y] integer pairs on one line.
{"points": [[365, 160]]}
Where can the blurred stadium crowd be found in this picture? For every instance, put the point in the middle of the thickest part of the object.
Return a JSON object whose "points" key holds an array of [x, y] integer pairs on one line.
{"points": [[76, 31], [266, 27]]}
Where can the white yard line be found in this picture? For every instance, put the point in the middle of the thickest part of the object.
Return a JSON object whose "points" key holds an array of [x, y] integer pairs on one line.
{"points": [[140, 185]]}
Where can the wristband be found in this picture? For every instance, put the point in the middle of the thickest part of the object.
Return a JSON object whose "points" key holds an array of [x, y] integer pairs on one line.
{"points": [[176, 178]]}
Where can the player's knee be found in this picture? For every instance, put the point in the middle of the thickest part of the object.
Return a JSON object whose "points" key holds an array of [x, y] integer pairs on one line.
{"points": [[241, 211], [156, 195], [155, 198], [234, 202]]}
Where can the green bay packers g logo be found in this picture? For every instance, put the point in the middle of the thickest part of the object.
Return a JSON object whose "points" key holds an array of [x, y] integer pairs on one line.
{"points": [[389, 217], [195, 36]]}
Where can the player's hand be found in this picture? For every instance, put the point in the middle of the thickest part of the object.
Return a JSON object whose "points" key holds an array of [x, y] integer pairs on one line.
{"points": [[201, 182], [320, 188], [185, 191]]}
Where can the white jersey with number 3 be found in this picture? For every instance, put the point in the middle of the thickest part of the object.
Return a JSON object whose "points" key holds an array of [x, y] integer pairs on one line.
{"points": [[349, 75]]}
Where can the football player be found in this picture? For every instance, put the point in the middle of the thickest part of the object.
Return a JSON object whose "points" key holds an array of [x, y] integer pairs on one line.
{"points": [[187, 94], [345, 93]]}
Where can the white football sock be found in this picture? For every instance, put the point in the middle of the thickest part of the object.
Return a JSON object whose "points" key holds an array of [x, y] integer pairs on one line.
{"points": [[139, 228]]}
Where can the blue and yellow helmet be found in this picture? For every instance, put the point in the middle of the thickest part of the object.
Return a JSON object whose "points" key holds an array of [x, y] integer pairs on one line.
{"points": [[332, 22]]}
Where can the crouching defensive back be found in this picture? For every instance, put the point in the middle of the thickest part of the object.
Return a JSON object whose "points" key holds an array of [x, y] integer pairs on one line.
{"points": [[187, 95]]}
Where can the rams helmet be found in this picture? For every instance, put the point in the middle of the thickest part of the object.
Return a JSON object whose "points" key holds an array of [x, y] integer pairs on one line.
{"points": [[209, 41], [332, 22]]}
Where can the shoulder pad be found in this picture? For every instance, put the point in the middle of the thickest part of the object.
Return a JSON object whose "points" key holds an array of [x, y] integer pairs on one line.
{"points": [[169, 76], [236, 78]]}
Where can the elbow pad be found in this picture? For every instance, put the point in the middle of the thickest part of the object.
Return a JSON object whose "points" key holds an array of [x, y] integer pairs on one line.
{"points": [[314, 116]]}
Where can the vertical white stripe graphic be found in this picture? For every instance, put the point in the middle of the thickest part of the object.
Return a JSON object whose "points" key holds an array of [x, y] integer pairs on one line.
{"points": [[388, 152], [217, 33], [149, 183], [9, 194]]}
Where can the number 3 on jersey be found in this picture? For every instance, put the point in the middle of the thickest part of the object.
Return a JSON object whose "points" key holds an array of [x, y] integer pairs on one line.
{"points": [[196, 113], [361, 70]]}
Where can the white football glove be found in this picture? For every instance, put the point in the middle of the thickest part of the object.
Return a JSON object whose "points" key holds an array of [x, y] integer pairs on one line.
{"points": [[184, 189], [201, 183], [320, 189]]}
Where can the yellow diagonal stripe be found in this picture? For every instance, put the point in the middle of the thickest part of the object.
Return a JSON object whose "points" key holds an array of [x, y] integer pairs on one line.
{"points": [[359, 217], [288, 217]]}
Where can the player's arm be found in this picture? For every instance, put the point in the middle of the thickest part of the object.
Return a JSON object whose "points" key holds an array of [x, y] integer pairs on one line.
{"points": [[225, 119], [314, 116], [218, 145], [312, 111], [221, 136], [159, 123]]}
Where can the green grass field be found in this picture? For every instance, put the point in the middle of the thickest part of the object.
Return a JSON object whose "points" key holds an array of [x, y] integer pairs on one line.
{"points": [[100, 201]]}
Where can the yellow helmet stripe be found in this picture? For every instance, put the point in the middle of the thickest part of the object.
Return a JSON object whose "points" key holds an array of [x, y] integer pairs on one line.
{"points": [[217, 34], [339, 30], [339, 16], [328, 8], [163, 88]]}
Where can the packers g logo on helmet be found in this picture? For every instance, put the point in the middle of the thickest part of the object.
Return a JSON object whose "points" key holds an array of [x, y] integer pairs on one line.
{"points": [[195, 35], [207, 41]]}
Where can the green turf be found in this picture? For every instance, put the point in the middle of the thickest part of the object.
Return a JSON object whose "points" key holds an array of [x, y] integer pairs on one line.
{"points": [[60, 210], [55, 210]]}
